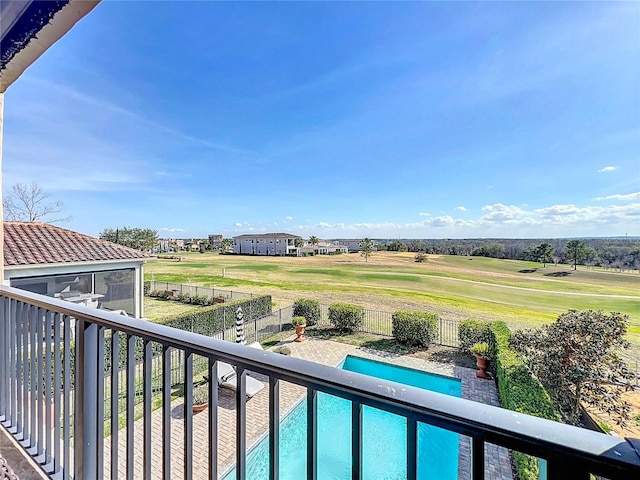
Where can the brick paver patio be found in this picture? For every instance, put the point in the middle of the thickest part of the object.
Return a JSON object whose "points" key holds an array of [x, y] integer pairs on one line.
{"points": [[497, 459]]}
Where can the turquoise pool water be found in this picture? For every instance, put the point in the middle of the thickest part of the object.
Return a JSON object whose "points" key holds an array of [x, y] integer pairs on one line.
{"points": [[384, 435]]}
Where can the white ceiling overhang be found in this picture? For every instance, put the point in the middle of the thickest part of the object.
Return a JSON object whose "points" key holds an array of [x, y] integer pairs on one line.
{"points": [[29, 27]]}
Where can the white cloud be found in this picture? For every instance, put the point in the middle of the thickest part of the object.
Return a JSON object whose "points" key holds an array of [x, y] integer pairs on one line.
{"points": [[444, 221], [629, 197], [607, 169], [424, 214], [238, 224], [167, 229], [288, 218], [497, 220], [502, 214], [461, 208]]}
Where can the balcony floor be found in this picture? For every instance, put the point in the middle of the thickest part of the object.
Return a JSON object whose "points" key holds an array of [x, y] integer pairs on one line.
{"points": [[498, 464], [22, 465]]}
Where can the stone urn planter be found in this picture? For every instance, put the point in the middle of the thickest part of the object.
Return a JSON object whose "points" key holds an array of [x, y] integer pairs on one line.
{"points": [[299, 323], [481, 352], [482, 363]]}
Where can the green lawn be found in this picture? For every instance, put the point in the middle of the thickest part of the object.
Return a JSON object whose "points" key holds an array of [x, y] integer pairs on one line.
{"points": [[520, 293]]}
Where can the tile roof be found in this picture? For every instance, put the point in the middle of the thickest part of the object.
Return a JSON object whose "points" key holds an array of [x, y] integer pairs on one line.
{"points": [[40, 243]]}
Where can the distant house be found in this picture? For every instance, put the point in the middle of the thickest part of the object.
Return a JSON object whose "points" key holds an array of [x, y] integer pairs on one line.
{"points": [[266, 244], [162, 245], [60, 263], [170, 245], [353, 244], [215, 241], [323, 247], [192, 245]]}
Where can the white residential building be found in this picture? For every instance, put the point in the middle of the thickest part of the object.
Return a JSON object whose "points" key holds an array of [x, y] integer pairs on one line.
{"points": [[266, 244], [323, 247]]}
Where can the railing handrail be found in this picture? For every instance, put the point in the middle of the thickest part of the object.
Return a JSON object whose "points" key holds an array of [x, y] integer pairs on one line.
{"points": [[543, 438]]}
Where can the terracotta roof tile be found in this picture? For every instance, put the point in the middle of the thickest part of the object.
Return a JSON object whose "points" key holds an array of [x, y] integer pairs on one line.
{"points": [[40, 243]]}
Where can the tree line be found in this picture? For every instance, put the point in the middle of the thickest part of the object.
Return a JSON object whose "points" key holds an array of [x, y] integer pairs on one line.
{"points": [[616, 253]]}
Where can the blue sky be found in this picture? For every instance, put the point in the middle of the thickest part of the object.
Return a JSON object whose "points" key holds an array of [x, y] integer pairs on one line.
{"points": [[384, 119]]}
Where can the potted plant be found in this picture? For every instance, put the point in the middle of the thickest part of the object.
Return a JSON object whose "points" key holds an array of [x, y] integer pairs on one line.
{"points": [[299, 323], [200, 397], [481, 351]]}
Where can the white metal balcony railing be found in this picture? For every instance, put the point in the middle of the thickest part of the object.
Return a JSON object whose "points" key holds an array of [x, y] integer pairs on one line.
{"points": [[52, 400]]}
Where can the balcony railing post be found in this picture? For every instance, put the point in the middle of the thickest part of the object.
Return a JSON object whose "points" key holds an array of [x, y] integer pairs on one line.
{"points": [[477, 458], [86, 389], [5, 350], [312, 434]]}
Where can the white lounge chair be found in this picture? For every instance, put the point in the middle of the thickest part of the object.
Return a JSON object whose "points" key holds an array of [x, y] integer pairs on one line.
{"points": [[227, 377]]}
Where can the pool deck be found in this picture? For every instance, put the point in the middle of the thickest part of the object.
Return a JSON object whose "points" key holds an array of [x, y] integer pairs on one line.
{"points": [[497, 459]]}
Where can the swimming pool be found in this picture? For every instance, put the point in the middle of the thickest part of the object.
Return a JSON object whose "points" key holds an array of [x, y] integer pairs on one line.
{"points": [[384, 435]]}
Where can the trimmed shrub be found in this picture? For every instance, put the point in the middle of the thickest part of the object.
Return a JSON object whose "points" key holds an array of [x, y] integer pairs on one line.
{"points": [[346, 317], [519, 391], [471, 332], [309, 309], [415, 328]]}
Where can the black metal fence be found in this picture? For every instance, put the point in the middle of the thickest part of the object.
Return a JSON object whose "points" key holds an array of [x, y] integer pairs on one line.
{"points": [[376, 322]]}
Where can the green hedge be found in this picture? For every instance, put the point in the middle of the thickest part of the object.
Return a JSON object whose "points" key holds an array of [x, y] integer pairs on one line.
{"points": [[519, 391], [345, 317], [415, 328], [473, 331], [309, 309], [205, 321]]}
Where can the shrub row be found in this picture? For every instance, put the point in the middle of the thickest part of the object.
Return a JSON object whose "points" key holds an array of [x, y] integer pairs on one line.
{"points": [[193, 299], [206, 321], [309, 309], [519, 391], [415, 328]]}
